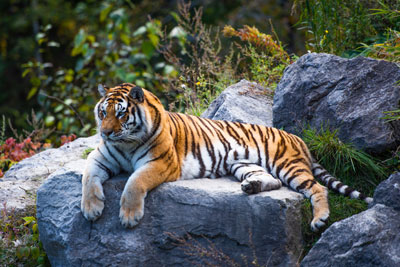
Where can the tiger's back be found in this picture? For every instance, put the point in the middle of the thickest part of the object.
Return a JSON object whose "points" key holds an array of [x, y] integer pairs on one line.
{"points": [[160, 146]]}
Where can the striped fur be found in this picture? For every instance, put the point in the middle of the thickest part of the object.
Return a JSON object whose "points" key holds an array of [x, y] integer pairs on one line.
{"points": [[155, 146]]}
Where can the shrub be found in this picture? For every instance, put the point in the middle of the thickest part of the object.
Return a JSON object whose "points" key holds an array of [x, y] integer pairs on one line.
{"points": [[111, 53], [19, 239], [265, 58]]}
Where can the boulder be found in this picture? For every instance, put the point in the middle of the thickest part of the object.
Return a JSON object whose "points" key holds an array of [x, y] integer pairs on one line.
{"points": [[200, 221], [388, 192], [346, 94], [242, 102], [19, 185], [370, 238]]}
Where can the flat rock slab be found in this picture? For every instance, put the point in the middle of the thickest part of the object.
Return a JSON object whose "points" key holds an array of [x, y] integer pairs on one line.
{"points": [[370, 238], [19, 185], [207, 213], [245, 102]]}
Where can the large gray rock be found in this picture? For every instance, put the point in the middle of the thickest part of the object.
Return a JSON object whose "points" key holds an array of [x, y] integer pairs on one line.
{"points": [[388, 192], [213, 212], [346, 94], [370, 238], [242, 102], [19, 185]]}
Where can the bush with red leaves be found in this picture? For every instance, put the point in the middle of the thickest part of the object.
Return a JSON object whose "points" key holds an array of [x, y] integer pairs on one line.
{"points": [[11, 151]]}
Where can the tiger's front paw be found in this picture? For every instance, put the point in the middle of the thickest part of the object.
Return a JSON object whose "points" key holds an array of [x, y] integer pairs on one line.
{"points": [[131, 211], [92, 203]]}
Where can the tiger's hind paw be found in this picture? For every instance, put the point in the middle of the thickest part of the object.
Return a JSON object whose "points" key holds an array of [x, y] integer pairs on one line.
{"points": [[319, 223], [251, 186], [256, 184]]}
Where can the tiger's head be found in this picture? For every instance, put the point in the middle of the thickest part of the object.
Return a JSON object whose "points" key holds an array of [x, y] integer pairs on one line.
{"points": [[122, 115]]}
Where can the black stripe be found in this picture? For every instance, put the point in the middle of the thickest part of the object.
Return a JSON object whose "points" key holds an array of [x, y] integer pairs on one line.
{"points": [[202, 166], [153, 144], [323, 173], [330, 183], [267, 156], [307, 183], [232, 130], [241, 165], [203, 121], [186, 134], [162, 155], [272, 133], [104, 168], [280, 166], [247, 174], [244, 130], [348, 191], [108, 151]]}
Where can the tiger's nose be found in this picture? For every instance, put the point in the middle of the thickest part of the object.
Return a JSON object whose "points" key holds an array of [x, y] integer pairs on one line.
{"points": [[106, 132]]}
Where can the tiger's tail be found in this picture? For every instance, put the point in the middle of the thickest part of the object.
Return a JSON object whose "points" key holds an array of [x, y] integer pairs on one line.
{"points": [[332, 183]]}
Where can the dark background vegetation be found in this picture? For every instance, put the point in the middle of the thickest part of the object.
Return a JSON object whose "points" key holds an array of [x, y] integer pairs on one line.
{"points": [[53, 53], [21, 41]]}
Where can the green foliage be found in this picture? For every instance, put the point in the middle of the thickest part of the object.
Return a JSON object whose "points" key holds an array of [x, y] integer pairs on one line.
{"points": [[19, 239], [111, 54], [86, 152], [353, 167], [341, 207], [339, 27]]}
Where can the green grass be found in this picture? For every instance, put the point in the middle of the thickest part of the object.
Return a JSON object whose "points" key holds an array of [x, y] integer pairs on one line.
{"points": [[353, 167]]}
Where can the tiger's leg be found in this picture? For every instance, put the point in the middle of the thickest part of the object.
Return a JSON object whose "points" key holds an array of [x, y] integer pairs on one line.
{"points": [[254, 178], [98, 170], [303, 181], [139, 183]]}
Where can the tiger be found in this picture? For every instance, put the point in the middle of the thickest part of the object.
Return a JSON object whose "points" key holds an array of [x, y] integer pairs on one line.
{"points": [[155, 146]]}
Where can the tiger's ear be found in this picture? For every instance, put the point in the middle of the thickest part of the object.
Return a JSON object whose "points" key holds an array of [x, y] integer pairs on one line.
{"points": [[137, 93], [102, 90]]}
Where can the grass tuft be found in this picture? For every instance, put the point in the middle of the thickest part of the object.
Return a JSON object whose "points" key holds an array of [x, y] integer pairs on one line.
{"points": [[351, 166]]}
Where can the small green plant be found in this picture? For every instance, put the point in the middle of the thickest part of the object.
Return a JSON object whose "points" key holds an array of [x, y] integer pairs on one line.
{"points": [[19, 239], [393, 115], [86, 152], [353, 167]]}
